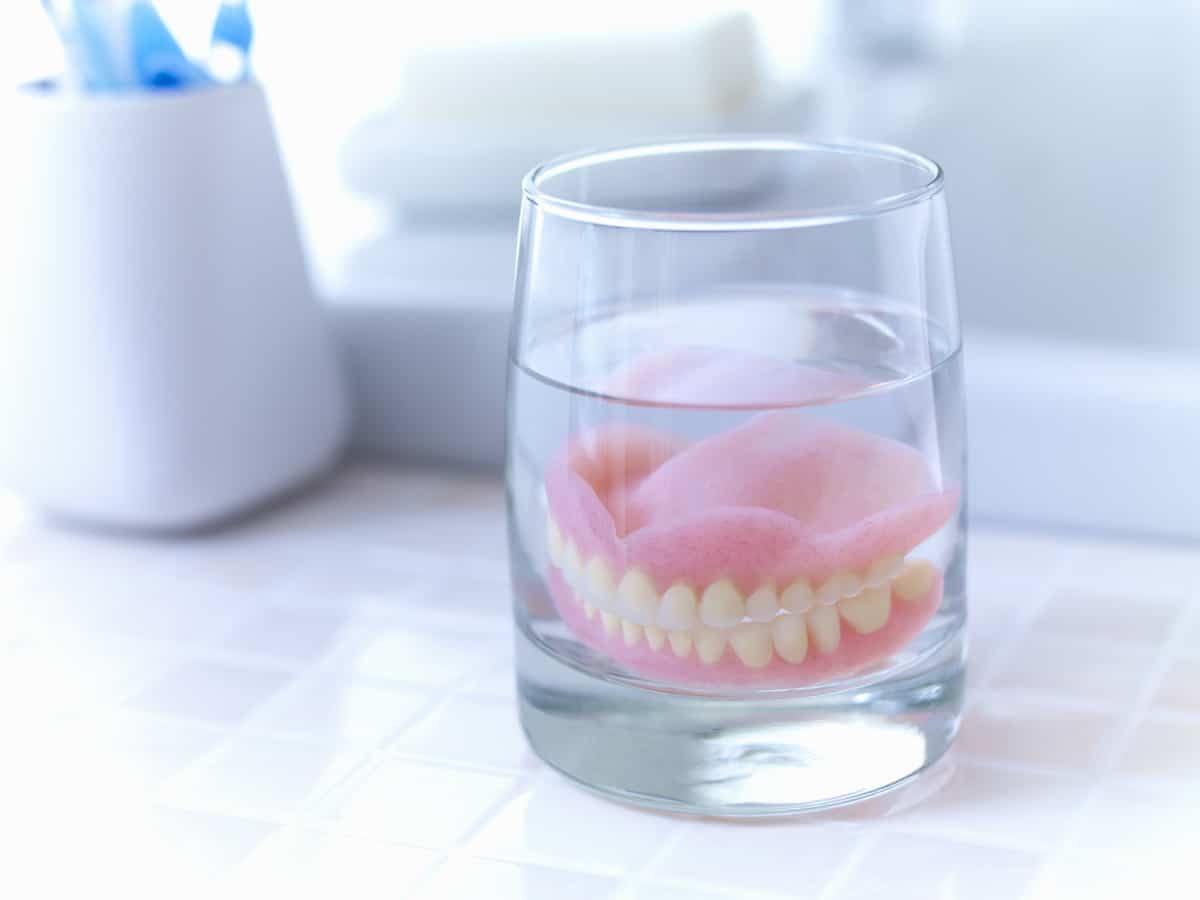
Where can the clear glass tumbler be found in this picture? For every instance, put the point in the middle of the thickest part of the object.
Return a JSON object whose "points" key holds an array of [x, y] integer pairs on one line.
{"points": [[735, 473]]}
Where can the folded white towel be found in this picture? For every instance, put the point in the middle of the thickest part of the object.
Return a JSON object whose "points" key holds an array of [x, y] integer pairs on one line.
{"points": [[471, 119]]}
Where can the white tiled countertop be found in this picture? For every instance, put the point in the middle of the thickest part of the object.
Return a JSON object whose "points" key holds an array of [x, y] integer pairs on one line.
{"points": [[320, 701]]}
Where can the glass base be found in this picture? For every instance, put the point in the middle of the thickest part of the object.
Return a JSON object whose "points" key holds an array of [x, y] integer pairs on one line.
{"points": [[767, 755]]}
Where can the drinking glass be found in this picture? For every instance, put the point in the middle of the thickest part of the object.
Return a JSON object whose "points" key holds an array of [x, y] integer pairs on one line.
{"points": [[735, 473]]}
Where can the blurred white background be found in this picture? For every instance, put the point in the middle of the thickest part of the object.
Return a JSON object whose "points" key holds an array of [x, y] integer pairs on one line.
{"points": [[1069, 129]]}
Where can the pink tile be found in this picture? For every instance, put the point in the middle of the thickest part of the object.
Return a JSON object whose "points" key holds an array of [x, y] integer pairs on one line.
{"points": [[1144, 619], [1165, 750], [1109, 673], [1024, 810], [1008, 728], [1142, 569], [1084, 875], [1180, 689], [1128, 821], [1134, 841], [907, 867]]}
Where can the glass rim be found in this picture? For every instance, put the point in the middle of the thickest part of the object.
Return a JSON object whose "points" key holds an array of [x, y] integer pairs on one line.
{"points": [[665, 220]]}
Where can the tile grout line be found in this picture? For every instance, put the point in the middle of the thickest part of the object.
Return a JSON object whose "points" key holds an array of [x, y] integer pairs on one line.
{"points": [[1136, 714], [835, 887], [1008, 645]]}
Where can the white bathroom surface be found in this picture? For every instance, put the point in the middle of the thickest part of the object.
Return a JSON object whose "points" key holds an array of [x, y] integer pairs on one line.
{"points": [[319, 702]]}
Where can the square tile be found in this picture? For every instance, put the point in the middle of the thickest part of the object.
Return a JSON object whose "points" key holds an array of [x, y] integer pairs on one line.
{"points": [[1144, 619], [1002, 552], [1180, 688], [552, 822], [149, 751], [476, 596], [1141, 568], [415, 803], [260, 777], [462, 877], [1022, 810], [1136, 822], [190, 844], [661, 890], [1165, 750], [905, 867], [309, 862], [750, 854], [1107, 673], [1189, 647], [209, 692], [498, 682], [432, 659], [164, 609], [1080, 875], [339, 706], [332, 581], [1132, 840], [472, 731], [287, 635], [77, 671], [1036, 732]]}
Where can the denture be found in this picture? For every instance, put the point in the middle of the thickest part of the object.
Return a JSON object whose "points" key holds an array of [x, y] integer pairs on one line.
{"points": [[776, 553]]}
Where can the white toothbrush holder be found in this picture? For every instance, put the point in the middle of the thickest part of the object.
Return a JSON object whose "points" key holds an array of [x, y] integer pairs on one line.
{"points": [[163, 361]]}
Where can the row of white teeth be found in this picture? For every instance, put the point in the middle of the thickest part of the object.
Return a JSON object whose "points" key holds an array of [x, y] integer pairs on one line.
{"points": [[764, 623]]}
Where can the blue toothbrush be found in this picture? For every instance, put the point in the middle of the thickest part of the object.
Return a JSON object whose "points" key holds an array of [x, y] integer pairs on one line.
{"points": [[232, 36], [82, 27], [158, 61]]}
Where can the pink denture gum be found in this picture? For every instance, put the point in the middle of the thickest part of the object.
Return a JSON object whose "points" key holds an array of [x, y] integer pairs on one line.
{"points": [[774, 553]]}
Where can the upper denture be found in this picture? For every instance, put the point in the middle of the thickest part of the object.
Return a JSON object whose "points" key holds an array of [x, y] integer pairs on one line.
{"points": [[787, 495]]}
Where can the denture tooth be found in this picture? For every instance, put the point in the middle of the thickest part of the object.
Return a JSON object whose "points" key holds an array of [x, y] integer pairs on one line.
{"points": [[710, 645], [763, 604], [572, 563], [721, 606], [681, 642], [824, 628], [915, 580], [600, 584], [752, 644], [678, 608], [798, 596], [610, 622], [631, 632], [868, 610], [638, 599], [655, 637], [843, 584], [790, 636], [884, 569], [589, 610], [554, 542]]}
